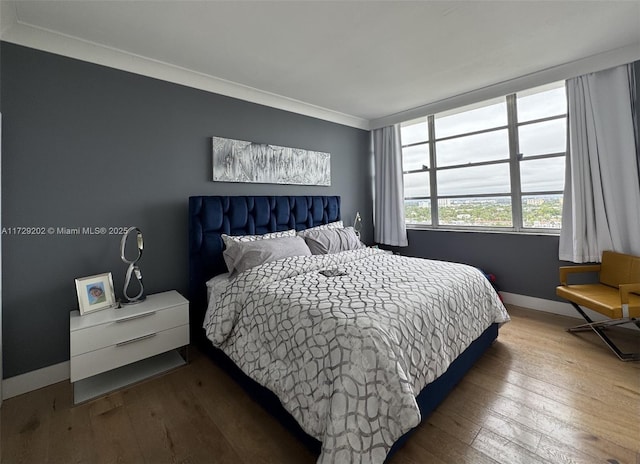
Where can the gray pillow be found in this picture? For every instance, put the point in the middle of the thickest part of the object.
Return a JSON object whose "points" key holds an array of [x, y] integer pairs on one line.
{"points": [[241, 256], [331, 225], [324, 241]]}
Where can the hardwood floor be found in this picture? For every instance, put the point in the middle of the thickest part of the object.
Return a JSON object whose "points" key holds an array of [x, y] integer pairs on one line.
{"points": [[539, 395]]}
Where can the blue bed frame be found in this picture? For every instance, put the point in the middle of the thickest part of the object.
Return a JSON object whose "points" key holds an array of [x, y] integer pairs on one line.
{"points": [[211, 216]]}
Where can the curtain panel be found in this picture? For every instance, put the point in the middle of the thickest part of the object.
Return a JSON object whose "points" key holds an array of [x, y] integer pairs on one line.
{"points": [[634, 85], [602, 190], [388, 211]]}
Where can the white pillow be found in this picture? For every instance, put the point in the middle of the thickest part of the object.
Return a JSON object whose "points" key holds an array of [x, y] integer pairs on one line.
{"points": [[241, 256], [252, 238]]}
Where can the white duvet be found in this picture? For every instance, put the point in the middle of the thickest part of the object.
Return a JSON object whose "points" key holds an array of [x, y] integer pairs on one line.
{"points": [[347, 355]]}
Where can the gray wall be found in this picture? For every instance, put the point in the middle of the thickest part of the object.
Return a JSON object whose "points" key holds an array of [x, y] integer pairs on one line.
{"points": [[522, 264], [85, 145]]}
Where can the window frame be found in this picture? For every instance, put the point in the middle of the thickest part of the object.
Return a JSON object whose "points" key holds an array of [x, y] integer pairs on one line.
{"points": [[515, 157]]}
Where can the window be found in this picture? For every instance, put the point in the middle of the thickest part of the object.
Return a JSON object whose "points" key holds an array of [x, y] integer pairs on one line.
{"points": [[497, 165]]}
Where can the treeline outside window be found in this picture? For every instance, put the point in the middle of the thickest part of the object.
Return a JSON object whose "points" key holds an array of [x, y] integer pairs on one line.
{"points": [[499, 164]]}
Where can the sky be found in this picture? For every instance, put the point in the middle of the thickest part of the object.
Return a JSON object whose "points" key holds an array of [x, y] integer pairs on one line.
{"points": [[535, 139]]}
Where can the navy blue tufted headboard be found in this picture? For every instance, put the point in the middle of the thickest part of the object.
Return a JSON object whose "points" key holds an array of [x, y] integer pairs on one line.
{"points": [[211, 216]]}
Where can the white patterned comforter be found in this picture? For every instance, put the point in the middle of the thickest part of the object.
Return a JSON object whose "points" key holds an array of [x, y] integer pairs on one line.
{"points": [[347, 355]]}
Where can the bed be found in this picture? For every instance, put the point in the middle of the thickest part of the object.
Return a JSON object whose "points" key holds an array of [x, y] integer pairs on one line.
{"points": [[323, 341]]}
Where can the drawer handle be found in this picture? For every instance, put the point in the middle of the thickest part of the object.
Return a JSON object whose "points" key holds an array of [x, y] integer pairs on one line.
{"points": [[135, 316], [137, 339]]}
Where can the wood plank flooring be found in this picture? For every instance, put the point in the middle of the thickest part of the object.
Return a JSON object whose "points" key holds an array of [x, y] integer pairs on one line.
{"points": [[539, 395]]}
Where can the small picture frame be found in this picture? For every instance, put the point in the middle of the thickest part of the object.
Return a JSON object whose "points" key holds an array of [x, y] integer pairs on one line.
{"points": [[95, 293]]}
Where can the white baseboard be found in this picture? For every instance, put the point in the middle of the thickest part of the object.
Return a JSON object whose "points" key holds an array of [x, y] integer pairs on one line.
{"points": [[548, 306], [14, 386]]}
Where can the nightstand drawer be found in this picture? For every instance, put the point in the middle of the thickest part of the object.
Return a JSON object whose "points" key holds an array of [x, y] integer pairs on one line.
{"points": [[127, 326], [128, 350]]}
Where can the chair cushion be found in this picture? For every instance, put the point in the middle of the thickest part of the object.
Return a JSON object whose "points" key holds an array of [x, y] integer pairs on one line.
{"points": [[600, 298], [618, 268]]}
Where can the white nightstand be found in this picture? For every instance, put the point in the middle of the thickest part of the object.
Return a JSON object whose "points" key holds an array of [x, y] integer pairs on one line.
{"points": [[119, 346]]}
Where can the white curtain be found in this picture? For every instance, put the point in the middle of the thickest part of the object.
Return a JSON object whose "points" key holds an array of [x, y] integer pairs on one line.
{"points": [[635, 105], [602, 190], [389, 224]]}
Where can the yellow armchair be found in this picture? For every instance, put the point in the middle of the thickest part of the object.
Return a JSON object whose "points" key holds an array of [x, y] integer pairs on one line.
{"points": [[616, 295]]}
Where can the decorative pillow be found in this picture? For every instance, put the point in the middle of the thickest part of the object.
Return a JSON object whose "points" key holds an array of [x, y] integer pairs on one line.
{"points": [[331, 225], [241, 256], [252, 238], [324, 241]]}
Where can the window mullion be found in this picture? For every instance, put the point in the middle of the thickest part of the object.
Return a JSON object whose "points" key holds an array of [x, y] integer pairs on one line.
{"points": [[433, 186], [471, 159], [514, 162]]}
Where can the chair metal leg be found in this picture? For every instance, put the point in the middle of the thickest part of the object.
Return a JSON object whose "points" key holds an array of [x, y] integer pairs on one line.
{"points": [[604, 324], [598, 327]]}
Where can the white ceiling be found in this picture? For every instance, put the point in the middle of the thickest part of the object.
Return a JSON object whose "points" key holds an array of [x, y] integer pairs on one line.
{"points": [[348, 61]]}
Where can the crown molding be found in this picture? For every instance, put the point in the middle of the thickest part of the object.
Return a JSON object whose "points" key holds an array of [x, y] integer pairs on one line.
{"points": [[54, 42]]}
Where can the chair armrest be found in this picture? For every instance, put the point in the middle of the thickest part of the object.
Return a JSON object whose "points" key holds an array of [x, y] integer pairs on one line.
{"points": [[625, 289], [566, 270]]}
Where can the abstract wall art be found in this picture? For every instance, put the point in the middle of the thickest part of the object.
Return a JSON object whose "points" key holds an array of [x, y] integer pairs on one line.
{"points": [[240, 161]]}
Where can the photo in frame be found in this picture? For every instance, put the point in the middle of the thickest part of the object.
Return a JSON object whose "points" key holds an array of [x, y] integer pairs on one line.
{"points": [[95, 293]]}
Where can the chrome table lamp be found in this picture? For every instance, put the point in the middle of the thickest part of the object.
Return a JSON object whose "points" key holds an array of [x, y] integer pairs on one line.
{"points": [[357, 224], [133, 269]]}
